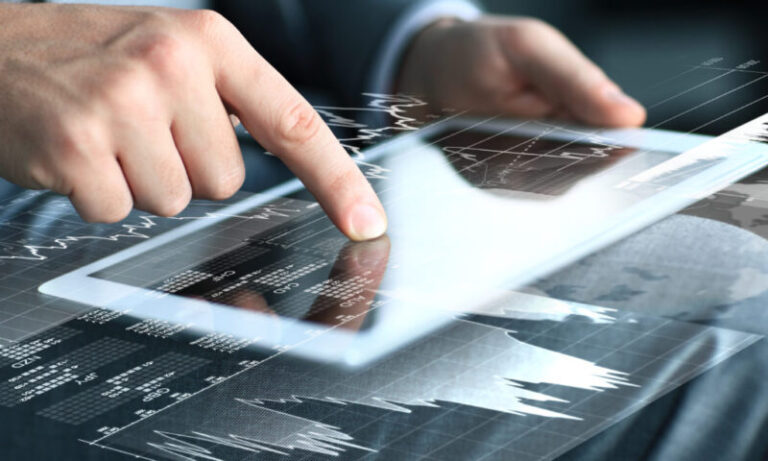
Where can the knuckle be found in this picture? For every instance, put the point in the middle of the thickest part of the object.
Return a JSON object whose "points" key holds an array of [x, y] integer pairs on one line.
{"points": [[175, 199], [534, 26], [115, 213], [526, 34], [299, 124], [75, 138], [171, 203], [344, 180], [124, 91], [114, 204], [226, 185], [39, 173], [171, 206], [164, 52], [207, 22]]}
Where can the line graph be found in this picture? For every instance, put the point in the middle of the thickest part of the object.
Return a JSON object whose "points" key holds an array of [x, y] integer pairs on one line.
{"points": [[138, 229], [529, 164], [280, 407], [296, 434], [393, 114]]}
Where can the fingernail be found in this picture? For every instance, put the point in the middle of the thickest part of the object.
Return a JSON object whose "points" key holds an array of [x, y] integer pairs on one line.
{"points": [[367, 222], [616, 95]]}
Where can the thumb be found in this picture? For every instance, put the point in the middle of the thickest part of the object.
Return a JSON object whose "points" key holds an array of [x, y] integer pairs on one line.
{"points": [[559, 70]]}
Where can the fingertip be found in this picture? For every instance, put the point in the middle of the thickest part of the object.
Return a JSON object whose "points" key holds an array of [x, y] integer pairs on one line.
{"points": [[621, 110], [366, 222]]}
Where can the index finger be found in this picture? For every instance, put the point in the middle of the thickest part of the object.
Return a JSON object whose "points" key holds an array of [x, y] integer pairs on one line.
{"points": [[287, 125]]}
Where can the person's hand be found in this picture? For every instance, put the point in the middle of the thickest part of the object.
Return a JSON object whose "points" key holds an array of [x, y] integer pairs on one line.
{"points": [[123, 107], [519, 67]]}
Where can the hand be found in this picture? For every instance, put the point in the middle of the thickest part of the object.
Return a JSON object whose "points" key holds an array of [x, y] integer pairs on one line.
{"points": [[122, 107], [518, 67]]}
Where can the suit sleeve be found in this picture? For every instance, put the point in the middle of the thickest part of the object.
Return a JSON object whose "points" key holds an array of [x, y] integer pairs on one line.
{"points": [[345, 47]]}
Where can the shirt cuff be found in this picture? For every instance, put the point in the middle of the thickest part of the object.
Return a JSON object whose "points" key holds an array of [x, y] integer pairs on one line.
{"points": [[410, 23]]}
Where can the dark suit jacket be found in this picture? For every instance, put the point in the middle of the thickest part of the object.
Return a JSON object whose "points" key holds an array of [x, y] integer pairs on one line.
{"points": [[326, 44]]}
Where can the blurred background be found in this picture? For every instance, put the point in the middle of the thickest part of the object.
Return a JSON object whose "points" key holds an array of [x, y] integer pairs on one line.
{"points": [[679, 58], [645, 46]]}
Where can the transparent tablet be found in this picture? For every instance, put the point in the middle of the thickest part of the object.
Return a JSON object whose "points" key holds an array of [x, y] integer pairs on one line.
{"points": [[474, 206]]}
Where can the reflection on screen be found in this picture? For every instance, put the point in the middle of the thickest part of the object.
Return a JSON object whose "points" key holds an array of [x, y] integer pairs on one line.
{"points": [[526, 164], [295, 269]]}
